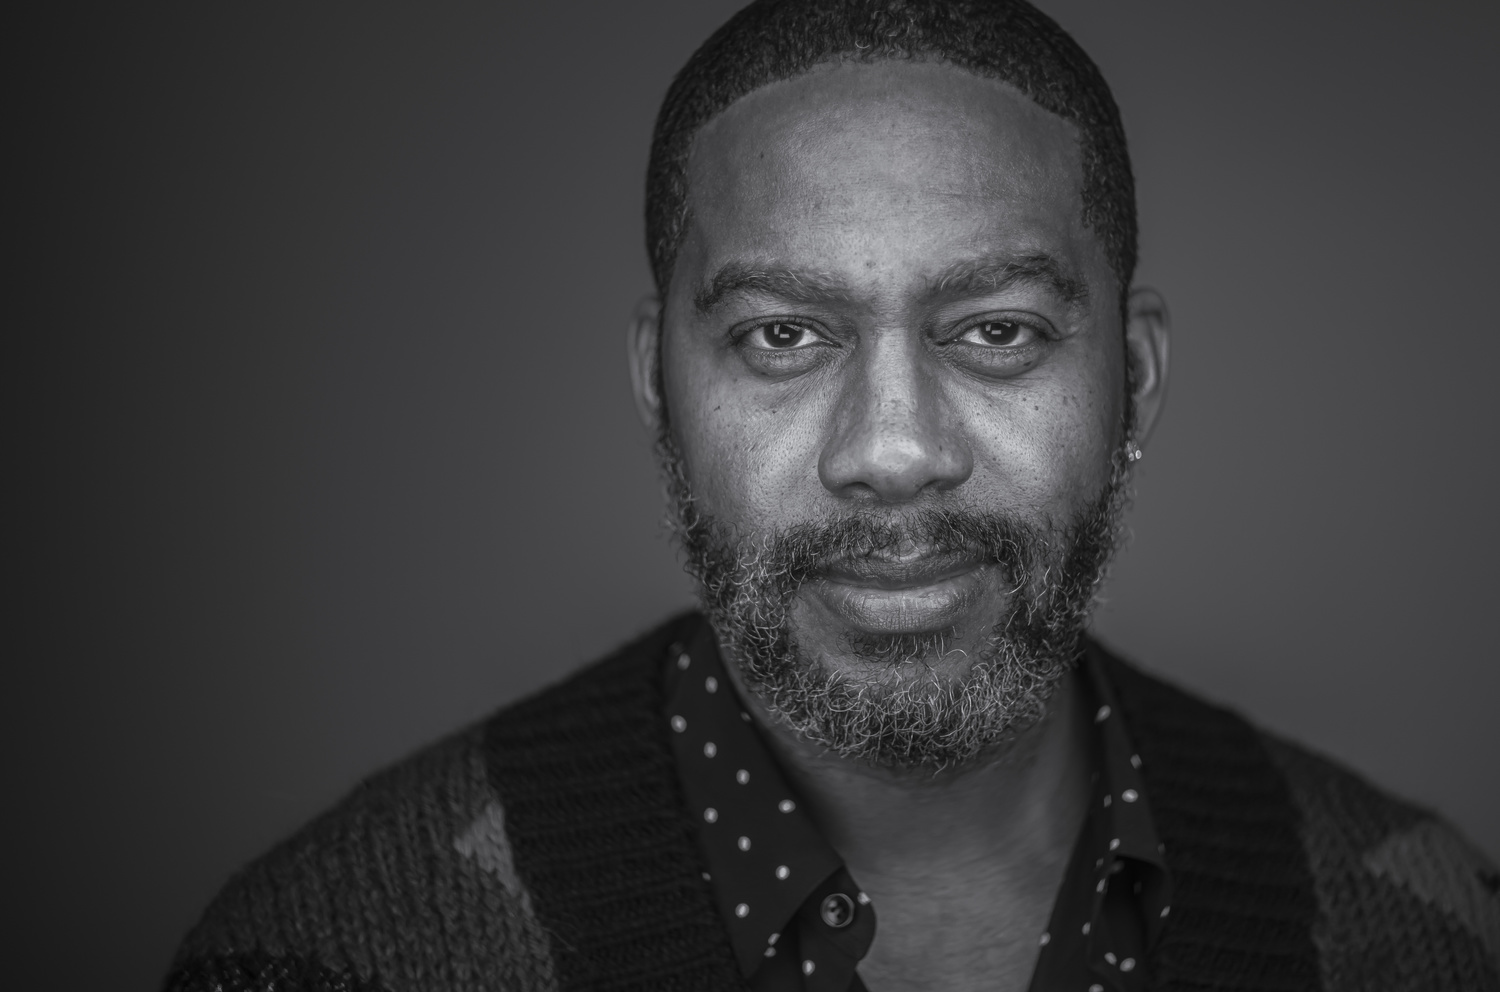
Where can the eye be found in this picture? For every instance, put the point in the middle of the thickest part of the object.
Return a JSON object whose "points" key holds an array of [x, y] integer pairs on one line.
{"points": [[781, 348], [1001, 333], [780, 336]]}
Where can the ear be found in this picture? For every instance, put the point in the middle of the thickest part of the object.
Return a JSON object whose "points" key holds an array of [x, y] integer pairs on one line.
{"points": [[643, 347], [1148, 336]]}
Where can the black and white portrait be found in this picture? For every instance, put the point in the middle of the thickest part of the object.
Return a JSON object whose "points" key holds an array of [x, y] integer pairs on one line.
{"points": [[814, 496]]}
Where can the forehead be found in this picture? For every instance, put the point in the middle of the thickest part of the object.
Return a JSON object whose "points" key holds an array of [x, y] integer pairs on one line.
{"points": [[883, 168]]}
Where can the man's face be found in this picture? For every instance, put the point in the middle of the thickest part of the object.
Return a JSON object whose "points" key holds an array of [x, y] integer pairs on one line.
{"points": [[893, 372]]}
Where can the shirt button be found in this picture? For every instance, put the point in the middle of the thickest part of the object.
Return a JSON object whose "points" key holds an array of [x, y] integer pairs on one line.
{"points": [[837, 910]]}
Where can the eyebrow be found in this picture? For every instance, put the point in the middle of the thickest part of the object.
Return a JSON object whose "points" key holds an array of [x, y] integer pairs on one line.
{"points": [[967, 278], [990, 275], [793, 285]]}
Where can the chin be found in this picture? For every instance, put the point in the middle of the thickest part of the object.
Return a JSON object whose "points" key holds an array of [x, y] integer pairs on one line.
{"points": [[943, 654], [909, 699]]}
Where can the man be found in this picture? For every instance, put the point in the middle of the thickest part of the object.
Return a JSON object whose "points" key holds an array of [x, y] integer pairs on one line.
{"points": [[898, 375]]}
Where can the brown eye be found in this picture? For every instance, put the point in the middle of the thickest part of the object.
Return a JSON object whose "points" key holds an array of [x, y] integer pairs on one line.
{"points": [[1000, 331], [782, 335]]}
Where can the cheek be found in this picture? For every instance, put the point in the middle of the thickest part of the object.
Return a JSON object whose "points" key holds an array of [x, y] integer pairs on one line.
{"points": [[1043, 448], [749, 455]]}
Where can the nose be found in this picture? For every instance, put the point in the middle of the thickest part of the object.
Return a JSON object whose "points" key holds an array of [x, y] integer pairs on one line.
{"points": [[893, 437]]}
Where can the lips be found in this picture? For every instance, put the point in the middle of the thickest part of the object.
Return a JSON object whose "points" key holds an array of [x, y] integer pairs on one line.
{"points": [[905, 572], [914, 594]]}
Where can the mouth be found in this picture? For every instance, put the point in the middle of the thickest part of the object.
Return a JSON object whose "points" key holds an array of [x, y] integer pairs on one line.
{"points": [[916, 594]]}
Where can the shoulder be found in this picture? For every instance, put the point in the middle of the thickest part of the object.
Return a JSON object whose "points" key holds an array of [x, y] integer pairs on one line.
{"points": [[406, 883], [412, 880], [1402, 895], [1393, 897]]}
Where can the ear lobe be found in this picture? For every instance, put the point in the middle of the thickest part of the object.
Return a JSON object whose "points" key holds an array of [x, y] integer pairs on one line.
{"points": [[1148, 336], [643, 354]]}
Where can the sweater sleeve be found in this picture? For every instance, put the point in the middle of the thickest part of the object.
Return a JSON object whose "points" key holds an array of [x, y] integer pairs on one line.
{"points": [[406, 885], [1405, 901]]}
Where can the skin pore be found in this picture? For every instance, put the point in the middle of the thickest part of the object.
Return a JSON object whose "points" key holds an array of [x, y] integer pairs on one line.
{"points": [[886, 300]]}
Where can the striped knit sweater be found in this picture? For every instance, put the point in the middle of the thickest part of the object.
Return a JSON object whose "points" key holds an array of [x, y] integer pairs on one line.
{"points": [[548, 849]]}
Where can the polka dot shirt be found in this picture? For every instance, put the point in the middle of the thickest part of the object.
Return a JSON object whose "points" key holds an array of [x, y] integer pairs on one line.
{"points": [[797, 919]]}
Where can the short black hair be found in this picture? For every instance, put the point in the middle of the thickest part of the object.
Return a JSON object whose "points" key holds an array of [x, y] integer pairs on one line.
{"points": [[1009, 40]]}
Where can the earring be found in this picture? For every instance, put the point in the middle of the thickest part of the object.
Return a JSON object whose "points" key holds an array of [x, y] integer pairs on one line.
{"points": [[1135, 454]]}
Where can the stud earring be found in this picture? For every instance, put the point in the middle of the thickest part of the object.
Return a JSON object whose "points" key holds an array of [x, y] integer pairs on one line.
{"points": [[1135, 454]]}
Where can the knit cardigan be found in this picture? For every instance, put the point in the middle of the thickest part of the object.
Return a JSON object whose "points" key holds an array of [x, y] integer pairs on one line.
{"points": [[548, 849]]}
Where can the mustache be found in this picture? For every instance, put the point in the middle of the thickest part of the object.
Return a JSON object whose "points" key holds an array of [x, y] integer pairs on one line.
{"points": [[797, 552]]}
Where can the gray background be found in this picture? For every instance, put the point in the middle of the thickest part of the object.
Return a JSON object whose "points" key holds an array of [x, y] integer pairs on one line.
{"points": [[323, 382]]}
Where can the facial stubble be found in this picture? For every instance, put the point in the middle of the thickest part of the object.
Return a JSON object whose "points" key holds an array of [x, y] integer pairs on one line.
{"points": [[911, 701]]}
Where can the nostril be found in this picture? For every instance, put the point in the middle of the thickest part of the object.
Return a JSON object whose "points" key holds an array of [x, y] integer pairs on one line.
{"points": [[893, 465]]}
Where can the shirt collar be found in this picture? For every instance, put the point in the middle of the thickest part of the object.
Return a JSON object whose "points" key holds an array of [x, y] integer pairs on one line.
{"points": [[764, 854]]}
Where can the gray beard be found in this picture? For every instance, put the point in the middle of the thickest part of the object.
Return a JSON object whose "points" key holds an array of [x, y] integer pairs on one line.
{"points": [[903, 713]]}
